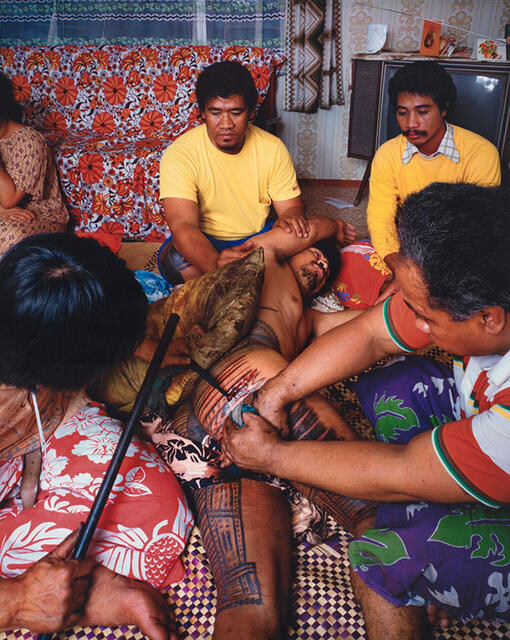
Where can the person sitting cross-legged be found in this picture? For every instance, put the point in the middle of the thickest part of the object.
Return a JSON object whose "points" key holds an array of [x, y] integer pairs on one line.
{"points": [[71, 310], [219, 181]]}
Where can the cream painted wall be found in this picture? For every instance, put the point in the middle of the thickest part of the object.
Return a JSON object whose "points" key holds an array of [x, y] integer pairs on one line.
{"points": [[318, 142]]}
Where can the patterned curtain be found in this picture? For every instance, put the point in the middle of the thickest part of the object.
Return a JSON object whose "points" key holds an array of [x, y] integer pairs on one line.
{"points": [[180, 22], [314, 55]]}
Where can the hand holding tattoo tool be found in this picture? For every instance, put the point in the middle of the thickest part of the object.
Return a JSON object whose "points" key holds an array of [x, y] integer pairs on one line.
{"points": [[98, 505], [236, 414]]}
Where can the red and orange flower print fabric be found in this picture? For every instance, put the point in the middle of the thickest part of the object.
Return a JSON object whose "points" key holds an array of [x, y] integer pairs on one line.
{"points": [[109, 112]]}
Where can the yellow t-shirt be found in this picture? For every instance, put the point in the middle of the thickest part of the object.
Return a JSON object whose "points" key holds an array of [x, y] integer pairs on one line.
{"points": [[391, 181], [233, 192]]}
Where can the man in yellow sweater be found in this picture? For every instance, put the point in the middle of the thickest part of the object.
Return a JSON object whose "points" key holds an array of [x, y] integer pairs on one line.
{"points": [[218, 181], [428, 150]]}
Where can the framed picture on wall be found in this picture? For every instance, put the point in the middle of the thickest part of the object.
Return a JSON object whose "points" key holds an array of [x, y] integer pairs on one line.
{"points": [[487, 49], [430, 38]]}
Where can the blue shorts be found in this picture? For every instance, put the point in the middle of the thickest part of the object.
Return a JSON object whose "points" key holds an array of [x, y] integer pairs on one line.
{"points": [[179, 262]]}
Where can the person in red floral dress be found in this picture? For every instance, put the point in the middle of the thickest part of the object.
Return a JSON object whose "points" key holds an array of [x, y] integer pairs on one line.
{"points": [[70, 310]]}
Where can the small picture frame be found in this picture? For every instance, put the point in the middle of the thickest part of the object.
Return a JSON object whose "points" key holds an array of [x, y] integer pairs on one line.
{"points": [[507, 38], [430, 38], [487, 49]]}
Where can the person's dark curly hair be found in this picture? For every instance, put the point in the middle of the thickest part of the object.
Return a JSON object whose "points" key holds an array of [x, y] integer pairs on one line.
{"points": [[10, 109], [458, 235], [70, 310], [223, 80], [424, 78]]}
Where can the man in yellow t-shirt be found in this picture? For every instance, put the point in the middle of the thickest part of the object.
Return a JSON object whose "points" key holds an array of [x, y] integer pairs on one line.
{"points": [[428, 150], [218, 181]]}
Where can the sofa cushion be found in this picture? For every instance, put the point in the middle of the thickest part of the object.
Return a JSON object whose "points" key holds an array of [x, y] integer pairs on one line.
{"points": [[113, 185]]}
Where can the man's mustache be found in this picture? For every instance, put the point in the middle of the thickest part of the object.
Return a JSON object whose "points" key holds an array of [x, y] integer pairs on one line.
{"points": [[414, 131]]}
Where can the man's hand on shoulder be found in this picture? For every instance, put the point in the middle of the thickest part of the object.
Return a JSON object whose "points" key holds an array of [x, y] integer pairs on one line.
{"points": [[345, 233], [293, 223], [291, 217]]}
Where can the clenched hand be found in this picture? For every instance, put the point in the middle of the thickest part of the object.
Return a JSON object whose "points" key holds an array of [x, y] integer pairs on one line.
{"points": [[51, 594]]}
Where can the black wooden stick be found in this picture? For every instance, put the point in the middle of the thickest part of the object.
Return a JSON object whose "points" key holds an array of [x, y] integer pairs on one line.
{"points": [[98, 505]]}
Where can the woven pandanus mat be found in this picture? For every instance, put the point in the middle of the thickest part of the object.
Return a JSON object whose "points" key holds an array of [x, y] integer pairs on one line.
{"points": [[322, 602]]}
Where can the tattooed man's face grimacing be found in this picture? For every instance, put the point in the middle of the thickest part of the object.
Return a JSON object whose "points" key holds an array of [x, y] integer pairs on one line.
{"points": [[311, 268]]}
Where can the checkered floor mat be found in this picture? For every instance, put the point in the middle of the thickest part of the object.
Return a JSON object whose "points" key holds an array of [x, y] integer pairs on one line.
{"points": [[322, 602], [322, 606]]}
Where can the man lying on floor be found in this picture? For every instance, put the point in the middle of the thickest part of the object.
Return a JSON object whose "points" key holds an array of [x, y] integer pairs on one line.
{"points": [[442, 468], [70, 311], [244, 521]]}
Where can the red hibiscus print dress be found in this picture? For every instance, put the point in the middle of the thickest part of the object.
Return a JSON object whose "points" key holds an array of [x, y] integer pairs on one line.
{"points": [[146, 521]]}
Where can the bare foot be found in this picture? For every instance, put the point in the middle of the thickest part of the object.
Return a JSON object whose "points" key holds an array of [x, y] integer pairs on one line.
{"points": [[115, 600], [438, 616]]}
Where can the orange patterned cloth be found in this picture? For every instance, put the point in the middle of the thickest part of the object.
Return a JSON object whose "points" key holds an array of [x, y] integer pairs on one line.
{"points": [[361, 276]]}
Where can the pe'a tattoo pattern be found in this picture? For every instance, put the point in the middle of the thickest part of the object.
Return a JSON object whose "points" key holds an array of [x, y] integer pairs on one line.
{"points": [[264, 334], [219, 514], [305, 424], [349, 512]]}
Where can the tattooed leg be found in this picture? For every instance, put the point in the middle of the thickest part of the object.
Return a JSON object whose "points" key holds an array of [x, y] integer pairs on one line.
{"points": [[315, 419], [243, 371], [246, 533], [219, 512]]}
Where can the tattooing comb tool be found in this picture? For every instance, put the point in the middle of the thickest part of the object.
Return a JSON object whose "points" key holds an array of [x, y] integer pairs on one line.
{"points": [[236, 414]]}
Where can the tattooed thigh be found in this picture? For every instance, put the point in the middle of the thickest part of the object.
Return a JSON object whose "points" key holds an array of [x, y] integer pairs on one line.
{"points": [[218, 510], [313, 419], [186, 424], [240, 372]]}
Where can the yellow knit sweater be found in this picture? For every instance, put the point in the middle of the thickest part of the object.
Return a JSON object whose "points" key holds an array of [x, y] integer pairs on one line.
{"points": [[391, 181]]}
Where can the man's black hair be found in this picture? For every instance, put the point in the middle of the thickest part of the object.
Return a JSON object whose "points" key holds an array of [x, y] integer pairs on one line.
{"points": [[70, 310], [458, 235], [223, 80], [10, 109], [424, 78], [331, 251]]}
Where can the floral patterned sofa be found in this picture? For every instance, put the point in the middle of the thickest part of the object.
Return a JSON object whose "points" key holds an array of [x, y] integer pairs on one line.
{"points": [[108, 112]]}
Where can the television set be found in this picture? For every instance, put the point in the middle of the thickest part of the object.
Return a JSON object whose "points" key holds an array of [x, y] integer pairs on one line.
{"points": [[483, 90]]}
